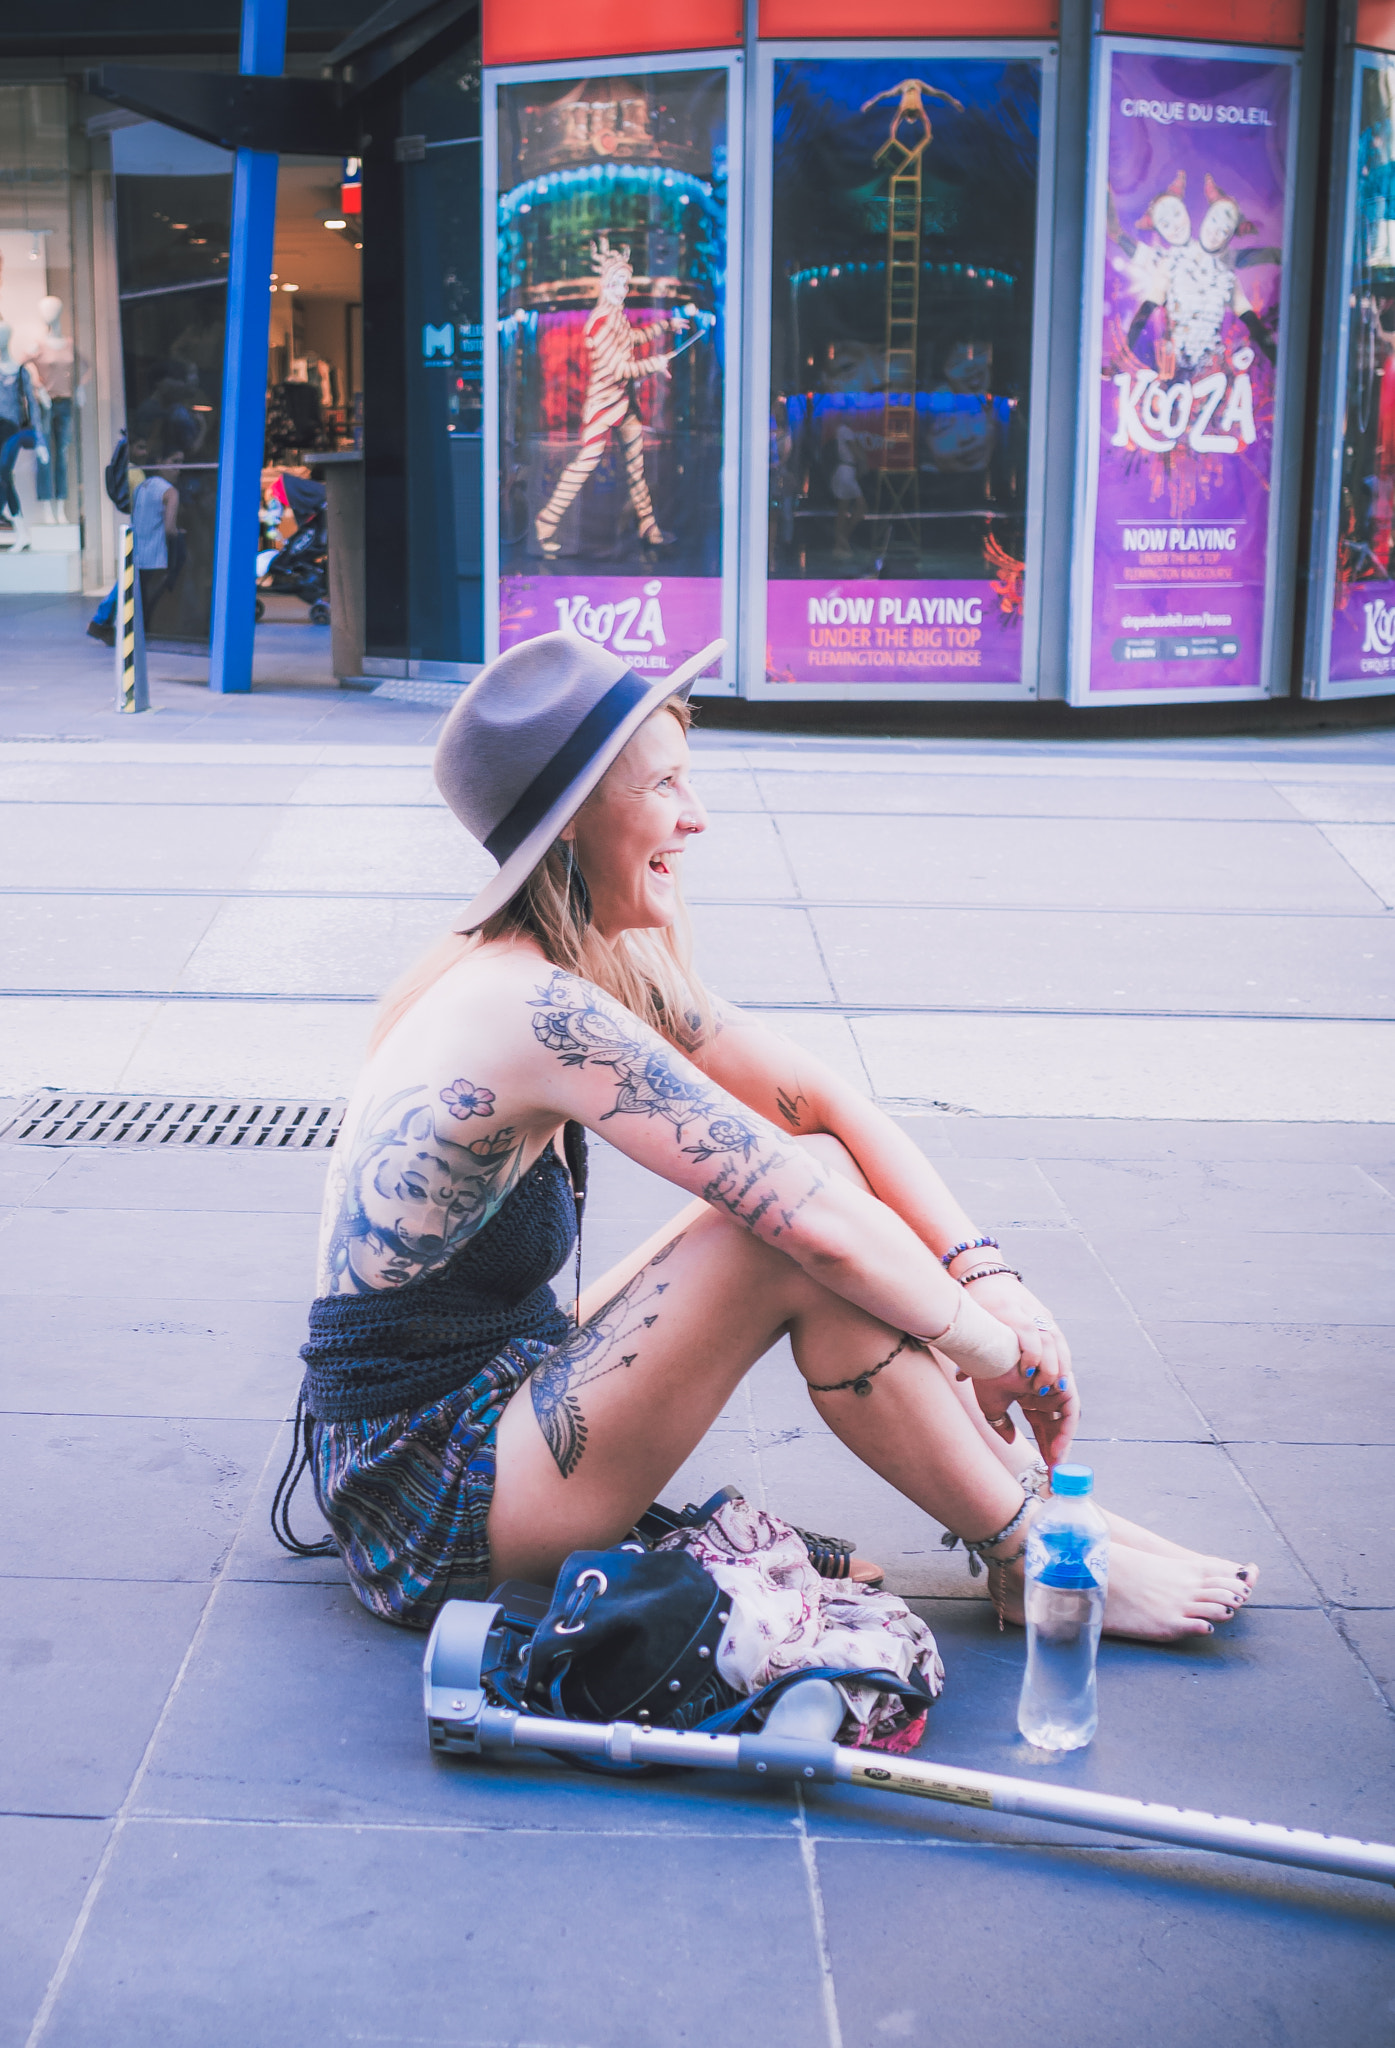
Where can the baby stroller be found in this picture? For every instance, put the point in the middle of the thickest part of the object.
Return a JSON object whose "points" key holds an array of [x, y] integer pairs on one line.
{"points": [[301, 568]]}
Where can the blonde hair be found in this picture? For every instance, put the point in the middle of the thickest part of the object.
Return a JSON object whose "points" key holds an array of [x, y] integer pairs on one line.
{"points": [[650, 972]]}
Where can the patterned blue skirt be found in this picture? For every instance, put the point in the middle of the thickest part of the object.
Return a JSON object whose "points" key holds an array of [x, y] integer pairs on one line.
{"points": [[407, 1496]]}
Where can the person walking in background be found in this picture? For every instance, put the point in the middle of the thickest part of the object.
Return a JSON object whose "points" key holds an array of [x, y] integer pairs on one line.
{"points": [[155, 524]]}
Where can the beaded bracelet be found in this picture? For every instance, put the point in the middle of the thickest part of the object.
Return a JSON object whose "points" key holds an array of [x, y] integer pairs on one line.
{"points": [[971, 1244], [990, 1273]]}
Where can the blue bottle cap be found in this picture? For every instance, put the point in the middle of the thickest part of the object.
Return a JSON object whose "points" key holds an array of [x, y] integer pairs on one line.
{"points": [[1072, 1479]]}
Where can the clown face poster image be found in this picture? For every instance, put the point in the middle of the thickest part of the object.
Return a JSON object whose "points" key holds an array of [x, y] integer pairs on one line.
{"points": [[612, 273], [1192, 271]]}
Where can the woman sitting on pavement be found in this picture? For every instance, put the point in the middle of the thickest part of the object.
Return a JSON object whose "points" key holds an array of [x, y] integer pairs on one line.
{"points": [[465, 1430]]}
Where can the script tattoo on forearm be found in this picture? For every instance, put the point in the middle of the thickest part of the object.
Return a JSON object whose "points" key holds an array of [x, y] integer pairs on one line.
{"points": [[608, 1343], [413, 1187], [585, 1031]]}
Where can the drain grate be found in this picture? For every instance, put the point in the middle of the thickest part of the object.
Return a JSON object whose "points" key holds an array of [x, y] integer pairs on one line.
{"points": [[53, 1118]]}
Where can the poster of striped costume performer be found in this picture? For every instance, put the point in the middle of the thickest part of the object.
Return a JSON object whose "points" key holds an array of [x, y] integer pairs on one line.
{"points": [[903, 277], [1363, 598], [1192, 256], [612, 250]]}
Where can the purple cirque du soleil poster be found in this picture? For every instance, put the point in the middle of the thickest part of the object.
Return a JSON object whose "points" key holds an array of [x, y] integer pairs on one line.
{"points": [[1190, 241], [613, 261]]}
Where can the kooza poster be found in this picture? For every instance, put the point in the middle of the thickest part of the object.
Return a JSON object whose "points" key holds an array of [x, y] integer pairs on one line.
{"points": [[1363, 606], [1193, 254], [612, 246]]}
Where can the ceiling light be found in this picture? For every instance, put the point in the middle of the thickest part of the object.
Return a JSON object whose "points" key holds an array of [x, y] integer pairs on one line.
{"points": [[179, 226], [290, 287], [336, 223]]}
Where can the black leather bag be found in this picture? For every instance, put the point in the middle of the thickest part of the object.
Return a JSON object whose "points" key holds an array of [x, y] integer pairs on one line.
{"points": [[631, 1635]]}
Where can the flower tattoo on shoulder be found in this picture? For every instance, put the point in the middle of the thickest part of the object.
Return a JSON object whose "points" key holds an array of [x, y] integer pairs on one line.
{"points": [[464, 1100]]}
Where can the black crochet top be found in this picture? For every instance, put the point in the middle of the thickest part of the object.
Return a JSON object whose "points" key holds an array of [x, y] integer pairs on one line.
{"points": [[377, 1354]]}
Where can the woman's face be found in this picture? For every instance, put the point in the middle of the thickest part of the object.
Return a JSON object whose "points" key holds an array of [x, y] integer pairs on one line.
{"points": [[630, 833]]}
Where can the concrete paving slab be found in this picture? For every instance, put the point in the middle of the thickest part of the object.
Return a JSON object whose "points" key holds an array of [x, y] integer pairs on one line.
{"points": [[178, 1177], [132, 1254], [45, 1869], [141, 943], [1341, 803], [114, 846], [418, 1935], [1003, 1194], [1331, 1503], [1285, 1382], [179, 784], [1371, 1633], [24, 1169], [1255, 1276], [215, 1048], [378, 786], [724, 789], [63, 1042], [1063, 1270], [371, 846], [71, 1482], [937, 791], [752, 955], [142, 1355], [1111, 960], [1245, 1069], [1207, 1950], [311, 945], [88, 1667], [1244, 1195], [299, 1705], [741, 857], [1143, 864], [1369, 1144], [1369, 850]]}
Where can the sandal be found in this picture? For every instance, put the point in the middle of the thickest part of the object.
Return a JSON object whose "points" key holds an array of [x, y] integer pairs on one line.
{"points": [[833, 1557]]}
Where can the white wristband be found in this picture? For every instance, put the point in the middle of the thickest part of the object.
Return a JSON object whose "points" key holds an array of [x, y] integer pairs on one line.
{"points": [[978, 1343]]}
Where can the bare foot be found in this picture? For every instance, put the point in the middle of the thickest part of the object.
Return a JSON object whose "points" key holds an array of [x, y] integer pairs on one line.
{"points": [[1136, 1537], [1159, 1598]]}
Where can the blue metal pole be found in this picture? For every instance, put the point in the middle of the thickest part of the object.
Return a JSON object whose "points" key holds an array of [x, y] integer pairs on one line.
{"points": [[243, 436]]}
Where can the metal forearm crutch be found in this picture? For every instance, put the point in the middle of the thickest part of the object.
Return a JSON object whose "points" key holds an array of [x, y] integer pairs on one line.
{"points": [[796, 1742]]}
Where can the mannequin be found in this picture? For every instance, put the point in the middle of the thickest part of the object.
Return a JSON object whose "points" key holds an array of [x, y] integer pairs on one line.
{"points": [[54, 367], [23, 404]]}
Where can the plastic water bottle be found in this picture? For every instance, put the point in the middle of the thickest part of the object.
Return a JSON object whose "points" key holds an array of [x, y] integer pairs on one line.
{"points": [[1067, 1576]]}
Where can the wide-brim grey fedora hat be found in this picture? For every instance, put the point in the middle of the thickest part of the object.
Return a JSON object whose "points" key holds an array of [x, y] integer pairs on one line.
{"points": [[530, 739]]}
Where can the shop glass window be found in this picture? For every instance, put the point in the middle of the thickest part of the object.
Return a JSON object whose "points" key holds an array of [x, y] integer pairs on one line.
{"points": [[173, 222]]}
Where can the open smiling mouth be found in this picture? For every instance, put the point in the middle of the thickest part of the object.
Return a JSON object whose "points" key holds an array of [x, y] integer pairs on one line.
{"points": [[665, 863]]}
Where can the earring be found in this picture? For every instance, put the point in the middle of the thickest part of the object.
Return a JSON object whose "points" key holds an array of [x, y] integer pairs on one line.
{"points": [[578, 894]]}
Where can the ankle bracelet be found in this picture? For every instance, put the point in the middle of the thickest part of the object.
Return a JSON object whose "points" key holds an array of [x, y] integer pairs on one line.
{"points": [[978, 1551]]}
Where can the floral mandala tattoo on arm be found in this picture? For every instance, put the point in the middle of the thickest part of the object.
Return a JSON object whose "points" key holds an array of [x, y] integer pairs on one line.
{"points": [[584, 1030], [596, 1349]]}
